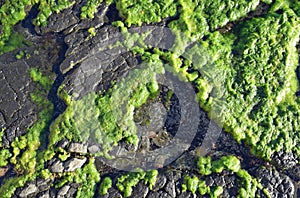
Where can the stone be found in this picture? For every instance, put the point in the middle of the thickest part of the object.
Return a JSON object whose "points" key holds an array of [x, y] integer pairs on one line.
{"points": [[63, 191], [77, 148], [93, 149], [30, 190], [73, 164], [140, 191], [57, 167]]}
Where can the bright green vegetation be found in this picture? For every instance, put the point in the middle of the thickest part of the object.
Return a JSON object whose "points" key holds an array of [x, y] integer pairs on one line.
{"points": [[89, 10], [252, 83], [248, 76], [196, 18], [207, 166], [1, 136], [25, 148], [146, 11], [127, 181], [100, 117], [12, 12], [105, 185], [194, 185]]}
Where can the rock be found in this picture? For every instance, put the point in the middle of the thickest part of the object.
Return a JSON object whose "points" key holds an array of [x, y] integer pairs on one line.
{"points": [[277, 184], [160, 182], [44, 194], [140, 191], [3, 171], [30, 190], [57, 167], [63, 191], [112, 192], [93, 149], [73, 164], [170, 188], [77, 148], [43, 184], [62, 143]]}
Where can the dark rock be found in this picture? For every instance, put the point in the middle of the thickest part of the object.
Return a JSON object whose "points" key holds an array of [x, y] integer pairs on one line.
{"points": [[140, 191], [160, 182], [44, 194], [277, 184]]}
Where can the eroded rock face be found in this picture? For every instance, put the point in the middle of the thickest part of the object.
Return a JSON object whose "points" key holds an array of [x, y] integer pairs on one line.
{"points": [[17, 110]]}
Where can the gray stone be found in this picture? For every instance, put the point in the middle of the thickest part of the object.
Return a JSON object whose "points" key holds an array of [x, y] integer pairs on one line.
{"points": [[57, 167], [73, 164], [93, 149], [77, 148], [63, 191], [30, 190], [44, 194], [170, 188]]}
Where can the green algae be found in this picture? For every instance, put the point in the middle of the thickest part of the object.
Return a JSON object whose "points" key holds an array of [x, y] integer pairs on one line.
{"points": [[24, 156], [105, 185], [248, 185], [146, 11], [1, 136], [99, 116], [90, 8], [127, 181]]}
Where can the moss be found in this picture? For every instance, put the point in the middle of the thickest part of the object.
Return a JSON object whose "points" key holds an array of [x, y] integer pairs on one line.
{"points": [[216, 192], [38, 77], [4, 155], [127, 181], [1, 136], [87, 177], [92, 31], [204, 165], [90, 8], [105, 185], [46, 8], [191, 183], [145, 11], [10, 185], [248, 185]]}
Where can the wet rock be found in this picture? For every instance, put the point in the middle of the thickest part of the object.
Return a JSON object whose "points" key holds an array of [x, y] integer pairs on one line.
{"points": [[30, 190], [73, 164], [77, 148], [277, 184], [140, 191], [57, 167]]}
